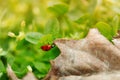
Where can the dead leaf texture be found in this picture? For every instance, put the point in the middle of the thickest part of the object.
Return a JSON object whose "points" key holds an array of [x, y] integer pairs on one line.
{"points": [[91, 55], [12, 75], [29, 76], [101, 76]]}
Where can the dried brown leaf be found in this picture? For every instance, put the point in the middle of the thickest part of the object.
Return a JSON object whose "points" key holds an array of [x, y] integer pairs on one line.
{"points": [[90, 55], [101, 76], [29, 76], [116, 42], [11, 73]]}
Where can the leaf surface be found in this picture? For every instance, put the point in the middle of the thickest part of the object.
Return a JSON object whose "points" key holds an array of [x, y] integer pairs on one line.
{"points": [[58, 9], [33, 37], [90, 55]]}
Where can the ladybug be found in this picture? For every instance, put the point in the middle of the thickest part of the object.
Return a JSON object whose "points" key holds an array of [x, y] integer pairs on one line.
{"points": [[47, 47]]}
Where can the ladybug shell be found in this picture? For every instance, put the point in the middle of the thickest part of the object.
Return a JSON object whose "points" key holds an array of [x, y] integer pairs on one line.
{"points": [[46, 47]]}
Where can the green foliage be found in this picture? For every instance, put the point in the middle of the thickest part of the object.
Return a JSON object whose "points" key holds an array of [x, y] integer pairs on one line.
{"points": [[52, 27], [115, 25], [41, 67], [83, 19], [46, 39], [26, 25], [105, 29], [2, 67], [58, 9], [33, 37]]}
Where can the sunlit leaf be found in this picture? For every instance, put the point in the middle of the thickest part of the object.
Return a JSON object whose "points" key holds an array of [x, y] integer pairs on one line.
{"points": [[33, 37], [105, 29], [2, 68], [82, 19], [46, 39], [10, 59], [115, 25], [3, 53], [52, 27], [58, 9], [41, 67], [92, 5]]}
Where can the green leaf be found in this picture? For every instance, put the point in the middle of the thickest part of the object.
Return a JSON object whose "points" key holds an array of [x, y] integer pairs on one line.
{"points": [[3, 53], [105, 29], [115, 25], [3, 76], [82, 19], [1, 73], [41, 67], [33, 37], [58, 9], [52, 27], [20, 70], [10, 59], [46, 39], [92, 5], [50, 55], [2, 67]]}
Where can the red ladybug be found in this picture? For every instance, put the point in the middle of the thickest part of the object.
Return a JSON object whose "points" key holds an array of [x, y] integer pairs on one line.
{"points": [[47, 47]]}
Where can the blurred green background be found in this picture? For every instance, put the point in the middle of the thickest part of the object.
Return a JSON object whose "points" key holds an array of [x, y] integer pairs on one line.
{"points": [[25, 25]]}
